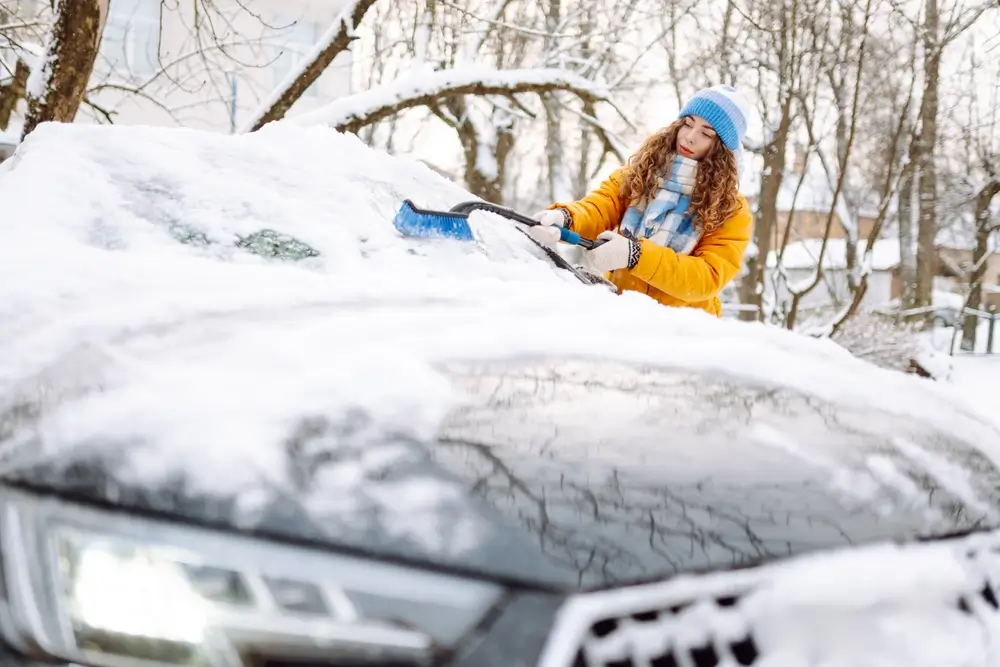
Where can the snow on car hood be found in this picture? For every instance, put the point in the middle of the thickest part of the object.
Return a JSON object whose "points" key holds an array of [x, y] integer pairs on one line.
{"points": [[138, 305]]}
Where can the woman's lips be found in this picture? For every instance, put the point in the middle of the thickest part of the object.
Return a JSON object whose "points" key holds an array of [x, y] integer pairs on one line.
{"points": [[686, 151]]}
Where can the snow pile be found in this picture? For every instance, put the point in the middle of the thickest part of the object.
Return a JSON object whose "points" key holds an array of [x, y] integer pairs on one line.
{"points": [[978, 378], [973, 376], [135, 262]]}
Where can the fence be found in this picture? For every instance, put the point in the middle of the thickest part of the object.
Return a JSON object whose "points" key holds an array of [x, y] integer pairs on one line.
{"points": [[948, 317]]}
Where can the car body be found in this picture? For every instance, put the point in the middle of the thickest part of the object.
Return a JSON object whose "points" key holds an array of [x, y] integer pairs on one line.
{"points": [[225, 459]]}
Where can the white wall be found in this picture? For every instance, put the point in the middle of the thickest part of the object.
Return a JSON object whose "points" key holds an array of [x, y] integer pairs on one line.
{"points": [[208, 89]]}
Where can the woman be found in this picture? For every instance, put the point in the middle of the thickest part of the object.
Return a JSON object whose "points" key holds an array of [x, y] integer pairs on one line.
{"points": [[681, 239]]}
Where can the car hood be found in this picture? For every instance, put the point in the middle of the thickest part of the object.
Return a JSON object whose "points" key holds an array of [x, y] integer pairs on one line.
{"points": [[557, 471]]}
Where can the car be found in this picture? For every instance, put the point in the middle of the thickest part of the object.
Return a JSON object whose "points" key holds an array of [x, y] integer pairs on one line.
{"points": [[244, 423]]}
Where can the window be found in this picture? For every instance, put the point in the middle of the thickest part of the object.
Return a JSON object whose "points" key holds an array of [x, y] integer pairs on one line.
{"points": [[131, 37], [292, 41]]}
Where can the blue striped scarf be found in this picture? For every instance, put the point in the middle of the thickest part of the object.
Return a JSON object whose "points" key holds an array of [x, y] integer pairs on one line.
{"points": [[666, 220]]}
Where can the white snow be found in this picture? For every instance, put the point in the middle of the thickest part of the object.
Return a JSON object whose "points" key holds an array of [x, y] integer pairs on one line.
{"points": [[209, 354], [426, 82], [975, 377], [877, 606], [11, 137], [44, 62]]}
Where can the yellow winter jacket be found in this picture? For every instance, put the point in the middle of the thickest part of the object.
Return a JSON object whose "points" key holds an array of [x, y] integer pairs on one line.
{"points": [[693, 280]]}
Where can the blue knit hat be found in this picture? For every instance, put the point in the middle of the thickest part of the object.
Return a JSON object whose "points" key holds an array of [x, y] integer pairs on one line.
{"points": [[725, 109]]}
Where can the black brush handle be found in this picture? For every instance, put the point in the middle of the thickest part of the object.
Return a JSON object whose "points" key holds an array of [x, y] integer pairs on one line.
{"points": [[464, 208]]}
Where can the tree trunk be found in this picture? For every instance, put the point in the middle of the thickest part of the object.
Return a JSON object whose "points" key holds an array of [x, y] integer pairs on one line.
{"points": [[484, 174], [752, 287], [907, 236], [728, 70], [558, 176], [487, 184], [848, 218], [12, 93], [555, 153], [55, 93], [983, 231], [927, 186], [581, 179]]}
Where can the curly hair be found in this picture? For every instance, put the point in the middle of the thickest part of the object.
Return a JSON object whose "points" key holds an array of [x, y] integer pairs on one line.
{"points": [[715, 197]]}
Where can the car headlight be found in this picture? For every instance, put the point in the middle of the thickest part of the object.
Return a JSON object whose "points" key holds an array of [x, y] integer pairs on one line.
{"points": [[100, 588]]}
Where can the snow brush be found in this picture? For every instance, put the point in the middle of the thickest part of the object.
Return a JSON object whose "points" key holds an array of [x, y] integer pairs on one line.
{"points": [[454, 224]]}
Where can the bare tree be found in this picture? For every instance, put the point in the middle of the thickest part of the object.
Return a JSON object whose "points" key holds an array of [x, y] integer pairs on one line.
{"points": [[55, 91], [12, 92], [779, 48], [436, 40], [558, 180], [213, 50], [891, 177], [855, 36], [22, 33], [337, 39], [981, 138], [939, 30]]}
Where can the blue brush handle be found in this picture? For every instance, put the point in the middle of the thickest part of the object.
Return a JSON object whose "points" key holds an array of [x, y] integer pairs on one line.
{"points": [[569, 236]]}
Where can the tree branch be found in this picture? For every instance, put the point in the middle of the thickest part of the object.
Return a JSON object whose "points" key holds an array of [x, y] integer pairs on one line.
{"points": [[108, 115], [336, 40], [350, 114]]}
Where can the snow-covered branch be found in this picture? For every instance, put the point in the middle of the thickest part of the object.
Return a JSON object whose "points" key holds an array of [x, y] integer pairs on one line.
{"points": [[336, 40], [350, 114]]}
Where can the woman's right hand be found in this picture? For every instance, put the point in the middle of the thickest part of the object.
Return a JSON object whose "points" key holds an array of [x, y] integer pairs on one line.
{"points": [[546, 231], [553, 217]]}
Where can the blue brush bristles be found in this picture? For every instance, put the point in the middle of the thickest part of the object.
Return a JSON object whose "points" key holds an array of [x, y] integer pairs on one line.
{"points": [[412, 221]]}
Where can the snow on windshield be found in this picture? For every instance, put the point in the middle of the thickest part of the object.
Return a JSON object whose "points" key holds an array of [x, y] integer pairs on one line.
{"points": [[217, 289]]}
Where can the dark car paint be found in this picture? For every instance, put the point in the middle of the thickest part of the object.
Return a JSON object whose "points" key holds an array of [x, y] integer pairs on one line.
{"points": [[561, 495], [516, 636]]}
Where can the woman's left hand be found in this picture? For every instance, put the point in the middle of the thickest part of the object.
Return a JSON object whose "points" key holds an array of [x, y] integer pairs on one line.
{"points": [[617, 253]]}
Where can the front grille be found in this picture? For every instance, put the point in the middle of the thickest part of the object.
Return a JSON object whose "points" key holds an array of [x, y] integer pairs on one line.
{"points": [[900, 605], [644, 638]]}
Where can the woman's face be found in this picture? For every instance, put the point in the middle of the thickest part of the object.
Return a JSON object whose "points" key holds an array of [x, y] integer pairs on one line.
{"points": [[696, 138]]}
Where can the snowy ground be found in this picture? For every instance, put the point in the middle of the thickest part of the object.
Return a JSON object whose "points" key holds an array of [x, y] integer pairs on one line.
{"points": [[941, 338], [978, 378], [975, 377]]}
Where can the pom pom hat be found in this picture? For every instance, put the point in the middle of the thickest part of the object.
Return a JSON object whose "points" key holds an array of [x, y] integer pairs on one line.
{"points": [[725, 108]]}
